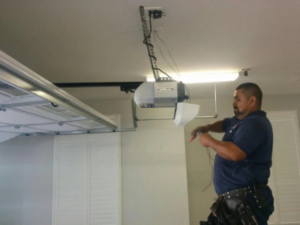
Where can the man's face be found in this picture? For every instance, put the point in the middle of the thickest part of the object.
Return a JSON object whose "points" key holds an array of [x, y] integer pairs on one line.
{"points": [[241, 104]]}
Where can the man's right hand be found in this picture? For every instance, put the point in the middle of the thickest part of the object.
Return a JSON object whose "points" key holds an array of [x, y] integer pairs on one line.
{"points": [[204, 129]]}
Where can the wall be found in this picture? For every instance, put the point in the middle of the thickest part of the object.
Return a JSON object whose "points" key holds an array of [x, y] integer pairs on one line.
{"points": [[26, 181], [6, 136], [154, 175], [122, 107]]}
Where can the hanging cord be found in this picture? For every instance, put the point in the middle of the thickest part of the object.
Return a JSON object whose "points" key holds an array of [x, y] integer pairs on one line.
{"points": [[177, 70], [155, 33], [162, 72], [151, 46], [210, 159]]}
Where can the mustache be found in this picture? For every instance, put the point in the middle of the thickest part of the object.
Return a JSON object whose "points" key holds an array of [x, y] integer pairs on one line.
{"points": [[235, 107]]}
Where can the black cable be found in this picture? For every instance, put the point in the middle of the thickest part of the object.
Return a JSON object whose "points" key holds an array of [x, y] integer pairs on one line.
{"points": [[210, 159], [150, 45], [162, 72], [178, 72], [155, 34], [149, 36]]}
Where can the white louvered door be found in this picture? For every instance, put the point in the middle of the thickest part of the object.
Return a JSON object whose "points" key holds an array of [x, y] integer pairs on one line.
{"points": [[285, 177], [70, 180], [87, 180], [104, 180]]}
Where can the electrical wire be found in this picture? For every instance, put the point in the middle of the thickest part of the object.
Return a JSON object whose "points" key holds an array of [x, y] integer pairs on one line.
{"points": [[153, 57], [177, 70], [155, 34], [210, 159], [150, 45], [162, 72]]}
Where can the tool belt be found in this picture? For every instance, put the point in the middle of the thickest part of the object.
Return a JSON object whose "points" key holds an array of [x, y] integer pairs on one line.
{"points": [[232, 208], [255, 191]]}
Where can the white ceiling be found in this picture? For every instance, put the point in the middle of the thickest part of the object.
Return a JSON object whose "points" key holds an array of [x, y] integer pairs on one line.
{"points": [[101, 41]]}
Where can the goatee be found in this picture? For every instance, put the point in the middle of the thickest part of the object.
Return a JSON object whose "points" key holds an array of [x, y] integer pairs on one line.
{"points": [[236, 111]]}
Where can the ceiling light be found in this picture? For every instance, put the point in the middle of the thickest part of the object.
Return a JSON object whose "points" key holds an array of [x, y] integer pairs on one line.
{"points": [[202, 77]]}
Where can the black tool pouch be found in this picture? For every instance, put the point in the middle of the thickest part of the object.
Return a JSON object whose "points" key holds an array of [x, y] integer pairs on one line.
{"points": [[217, 210], [229, 211], [214, 217], [241, 212], [211, 220], [233, 211]]}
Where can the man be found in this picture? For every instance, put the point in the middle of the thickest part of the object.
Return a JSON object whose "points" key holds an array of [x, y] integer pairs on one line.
{"points": [[243, 160]]}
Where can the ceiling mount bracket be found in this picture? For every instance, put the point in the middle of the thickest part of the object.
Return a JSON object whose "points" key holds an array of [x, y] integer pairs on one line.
{"points": [[147, 42]]}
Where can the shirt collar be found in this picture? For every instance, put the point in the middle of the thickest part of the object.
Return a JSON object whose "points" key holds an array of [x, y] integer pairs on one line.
{"points": [[255, 113]]}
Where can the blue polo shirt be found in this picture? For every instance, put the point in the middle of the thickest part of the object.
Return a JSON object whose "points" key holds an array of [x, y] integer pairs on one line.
{"points": [[254, 136]]}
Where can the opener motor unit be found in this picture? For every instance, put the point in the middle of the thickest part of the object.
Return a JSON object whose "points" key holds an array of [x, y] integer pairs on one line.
{"points": [[160, 94]]}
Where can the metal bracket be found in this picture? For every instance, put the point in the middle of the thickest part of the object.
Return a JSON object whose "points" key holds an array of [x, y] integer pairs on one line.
{"points": [[124, 86], [147, 42]]}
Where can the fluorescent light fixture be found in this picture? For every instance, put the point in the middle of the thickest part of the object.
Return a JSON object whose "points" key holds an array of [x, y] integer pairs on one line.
{"points": [[202, 77]]}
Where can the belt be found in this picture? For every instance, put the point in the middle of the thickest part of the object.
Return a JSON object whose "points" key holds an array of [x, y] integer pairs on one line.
{"points": [[241, 193]]}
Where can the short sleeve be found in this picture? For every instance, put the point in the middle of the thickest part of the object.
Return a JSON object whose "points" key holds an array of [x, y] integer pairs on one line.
{"points": [[249, 136], [226, 124]]}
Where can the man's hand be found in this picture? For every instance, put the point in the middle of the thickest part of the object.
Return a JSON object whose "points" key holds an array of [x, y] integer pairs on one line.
{"points": [[205, 139], [227, 150], [204, 129]]}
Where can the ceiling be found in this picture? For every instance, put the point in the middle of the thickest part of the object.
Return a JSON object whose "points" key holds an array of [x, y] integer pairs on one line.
{"points": [[101, 41]]}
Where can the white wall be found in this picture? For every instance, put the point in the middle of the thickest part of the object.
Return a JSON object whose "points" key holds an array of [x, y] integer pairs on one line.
{"points": [[26, 173], [154, 175], [6, 136], [122, 107]]}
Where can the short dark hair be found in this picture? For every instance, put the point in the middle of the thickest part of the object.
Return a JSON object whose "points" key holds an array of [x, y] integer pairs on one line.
{"points": [[251, 89]]}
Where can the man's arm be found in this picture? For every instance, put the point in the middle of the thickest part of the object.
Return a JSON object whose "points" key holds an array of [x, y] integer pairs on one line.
{"points": [[227, 150], [214, 127]]}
